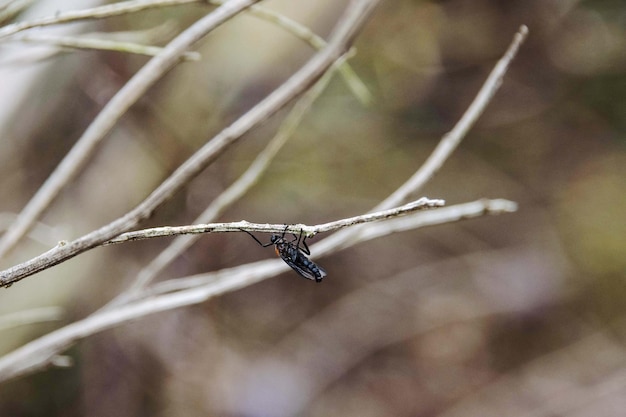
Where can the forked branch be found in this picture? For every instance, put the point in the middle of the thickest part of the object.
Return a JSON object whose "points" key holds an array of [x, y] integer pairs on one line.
{"points": [[349, 25]]}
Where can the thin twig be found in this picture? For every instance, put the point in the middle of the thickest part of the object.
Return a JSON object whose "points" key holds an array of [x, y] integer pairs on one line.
{"points": [[238, 188], [180, 293], [413, 221], [317, 42], [421, 204], [100, 12], [31, 316], [350, 23], [451, 140], [448, 143], [41, 233], [300, 31], [193, 290], [78, 42], [106, 119]]}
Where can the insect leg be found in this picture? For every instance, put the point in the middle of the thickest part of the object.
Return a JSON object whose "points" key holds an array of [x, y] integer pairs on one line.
{"points": [[305, 247], [257, 240]]}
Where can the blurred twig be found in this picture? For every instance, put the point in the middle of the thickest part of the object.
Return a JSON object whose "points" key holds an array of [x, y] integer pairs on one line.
{"points": [[35, 315], [166, 296], [101, 12], [42, 233], [94, 134], [446, 146], [347, 28], [196, 289], [128, 95], [296, 29], [77, 42], [238, 188], [11, 8], [305, 34]]}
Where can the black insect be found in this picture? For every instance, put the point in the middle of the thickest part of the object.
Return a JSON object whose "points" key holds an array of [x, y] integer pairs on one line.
{"points": [[294, 255]]}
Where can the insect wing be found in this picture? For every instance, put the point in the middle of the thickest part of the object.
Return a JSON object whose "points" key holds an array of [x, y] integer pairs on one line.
{"points": [[297, 266], [305, 263]]}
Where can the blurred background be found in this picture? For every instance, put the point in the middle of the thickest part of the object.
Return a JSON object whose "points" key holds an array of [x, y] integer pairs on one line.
{"points": [[515, 315]]}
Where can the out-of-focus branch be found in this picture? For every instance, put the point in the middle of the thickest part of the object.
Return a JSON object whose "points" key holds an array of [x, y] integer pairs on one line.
{"points": [[35, 315], [101, 12], [448, 143], [349, 25], [78, 42], [196, 289], [134, 6], [184, 292], [102, 125], [306, 35], [238, 188], [451, 140]]}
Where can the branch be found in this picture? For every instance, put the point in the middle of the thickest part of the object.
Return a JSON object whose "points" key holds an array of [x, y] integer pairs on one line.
{"points": [[31, 316], [308, 36], [238, 188], [350, 23], [452, 139], [134, 6], [196, 289], [449, 142], [101, 12], [465, 211], [188, 291], [108, 117], [78, 42], [421, 204]]}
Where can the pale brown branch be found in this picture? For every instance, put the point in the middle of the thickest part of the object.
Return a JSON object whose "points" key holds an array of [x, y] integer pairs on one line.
{"points": [[340, 41], [95, 133], [421, 204]]}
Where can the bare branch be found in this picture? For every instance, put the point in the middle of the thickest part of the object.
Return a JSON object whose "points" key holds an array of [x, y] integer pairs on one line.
{"points": [[79, 42], [443, 215], [305, 34], [196, 289], [347, 28], [238, 188], [449, 142], [421, 204], [108, 117], [183, 292], [101, 12], [35, 315]]}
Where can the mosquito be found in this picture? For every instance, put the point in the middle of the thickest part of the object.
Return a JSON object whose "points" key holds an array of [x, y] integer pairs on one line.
{"points": [[294, 255]]}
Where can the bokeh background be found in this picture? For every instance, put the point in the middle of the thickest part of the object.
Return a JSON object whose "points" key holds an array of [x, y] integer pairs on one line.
{"points": [[516, 315]]}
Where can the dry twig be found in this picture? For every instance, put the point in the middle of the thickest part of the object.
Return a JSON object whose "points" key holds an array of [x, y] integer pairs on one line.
{"points": [[353, 19], [95, 133], [196, 289]]}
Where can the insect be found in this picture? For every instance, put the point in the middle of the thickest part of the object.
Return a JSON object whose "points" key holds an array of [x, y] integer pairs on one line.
{"points": [[294, 255]]}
